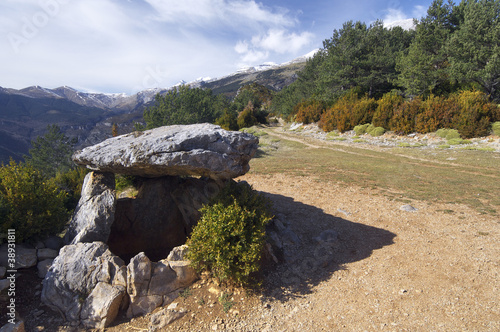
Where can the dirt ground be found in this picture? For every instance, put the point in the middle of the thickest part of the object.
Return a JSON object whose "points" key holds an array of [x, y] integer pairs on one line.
{"points": [[434, 269]]}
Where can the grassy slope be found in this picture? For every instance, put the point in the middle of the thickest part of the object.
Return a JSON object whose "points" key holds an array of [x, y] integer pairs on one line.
{"points": [[469, 177]]}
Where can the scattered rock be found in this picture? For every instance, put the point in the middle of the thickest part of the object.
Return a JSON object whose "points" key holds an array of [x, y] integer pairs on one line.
{"points": [[178, 253], [180, 150], [346, 213], [25, 256], [163, 318], [408, 208], [46, 253]]}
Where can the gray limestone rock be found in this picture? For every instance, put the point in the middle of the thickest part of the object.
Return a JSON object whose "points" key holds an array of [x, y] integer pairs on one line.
{"points": [[150, 284], [102, 305], [94, 214], [162, 318], [46, 253], [180, 150], [25, 256], [70, 284]]}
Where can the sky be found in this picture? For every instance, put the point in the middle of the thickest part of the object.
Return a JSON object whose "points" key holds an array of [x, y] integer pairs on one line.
{"points": [[125, 46]]}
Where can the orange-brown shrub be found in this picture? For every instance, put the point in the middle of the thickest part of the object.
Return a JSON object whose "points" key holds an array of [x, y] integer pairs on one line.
{"points": [[475, 114], [385, 109], [436, 113], [309, 111], [348, 112], [403, 118], [363, 111]]}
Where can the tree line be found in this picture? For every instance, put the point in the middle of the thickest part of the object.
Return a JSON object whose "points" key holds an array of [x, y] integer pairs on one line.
{"points": [[443, 74], [454, 48]]}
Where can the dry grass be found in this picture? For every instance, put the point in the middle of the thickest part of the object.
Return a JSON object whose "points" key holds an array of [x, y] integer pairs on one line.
{"points": [[470, 177]]}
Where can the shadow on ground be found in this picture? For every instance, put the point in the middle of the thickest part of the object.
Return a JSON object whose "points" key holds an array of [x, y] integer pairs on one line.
{"points": [[304, 260]]}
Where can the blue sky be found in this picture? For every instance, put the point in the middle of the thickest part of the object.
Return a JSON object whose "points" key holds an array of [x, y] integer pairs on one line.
{"points": [[130, 45]]}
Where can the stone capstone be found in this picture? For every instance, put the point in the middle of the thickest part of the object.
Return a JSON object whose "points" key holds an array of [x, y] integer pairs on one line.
{"points": [[95, 211], [179, 150], [86, 283]]}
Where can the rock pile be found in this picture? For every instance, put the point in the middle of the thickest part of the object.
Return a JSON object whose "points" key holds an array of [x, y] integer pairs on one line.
{"points": [[179, 168]]}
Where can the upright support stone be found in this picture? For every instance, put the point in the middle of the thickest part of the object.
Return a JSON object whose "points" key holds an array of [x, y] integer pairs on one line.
{"points": [[95, 212]]}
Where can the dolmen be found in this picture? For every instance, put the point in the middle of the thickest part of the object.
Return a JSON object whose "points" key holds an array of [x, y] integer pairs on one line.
{"points": [[128, 253]]}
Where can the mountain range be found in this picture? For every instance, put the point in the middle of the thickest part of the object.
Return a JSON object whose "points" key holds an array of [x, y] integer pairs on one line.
{"points": [[88, 117]]}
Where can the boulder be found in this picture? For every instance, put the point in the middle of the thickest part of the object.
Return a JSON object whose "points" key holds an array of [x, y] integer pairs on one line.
{"points": [[46, 253], [25, 256], [102, 305], [180, 150], [95, 211], [86, 283]]}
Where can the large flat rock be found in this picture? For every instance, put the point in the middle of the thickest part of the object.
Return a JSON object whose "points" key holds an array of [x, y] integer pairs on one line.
{"points": [[181, 150]]}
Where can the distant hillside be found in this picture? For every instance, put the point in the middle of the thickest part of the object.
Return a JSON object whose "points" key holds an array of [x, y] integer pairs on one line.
{"points": [[25, 113]]}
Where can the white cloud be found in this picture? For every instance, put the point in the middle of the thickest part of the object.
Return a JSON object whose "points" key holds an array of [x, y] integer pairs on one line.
{"points": [[217, 12], [241, 47], [394, 15], [118, 46], [281, 41]]}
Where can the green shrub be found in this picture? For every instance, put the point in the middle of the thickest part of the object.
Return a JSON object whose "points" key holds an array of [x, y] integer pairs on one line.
{"points": [[496, 128], [361, 129], [448, 133], [375, 131], [229, 238], [228, 120], [30, 204], [71, 182], [457, 141], [247, 118]]}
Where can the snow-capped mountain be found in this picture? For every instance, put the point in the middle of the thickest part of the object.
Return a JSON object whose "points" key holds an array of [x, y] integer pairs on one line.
{"points": [[88, 116], [408, 24], [123, 102]]}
